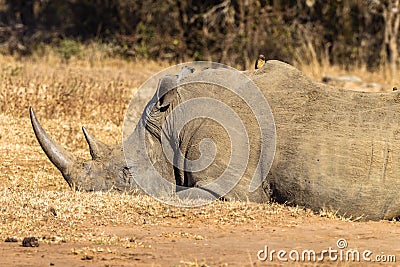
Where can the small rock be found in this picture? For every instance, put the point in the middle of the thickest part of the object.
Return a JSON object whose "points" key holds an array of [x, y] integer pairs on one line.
{"points": [[11, 239], [53, 211], [30, 242], [87, 257]]}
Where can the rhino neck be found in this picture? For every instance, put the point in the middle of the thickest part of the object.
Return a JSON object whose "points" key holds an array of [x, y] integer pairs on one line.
{"points": [[153, 121], [143, 152]]}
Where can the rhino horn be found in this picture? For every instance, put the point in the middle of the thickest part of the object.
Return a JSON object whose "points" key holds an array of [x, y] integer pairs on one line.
{"points": [[97, 148], [61, 158]]}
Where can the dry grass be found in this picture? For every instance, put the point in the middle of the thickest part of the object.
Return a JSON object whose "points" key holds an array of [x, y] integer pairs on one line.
{"points": [[315, 63], [35, 201], [80, 92]]}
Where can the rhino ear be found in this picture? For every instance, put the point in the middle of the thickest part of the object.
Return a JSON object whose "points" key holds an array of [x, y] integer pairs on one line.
{"points": [[184, 72], [166, 91], [97, 148]]}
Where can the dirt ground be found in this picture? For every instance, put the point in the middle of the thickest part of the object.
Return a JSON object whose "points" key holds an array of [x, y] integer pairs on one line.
{"points": [[208, 245], [111, 229]]}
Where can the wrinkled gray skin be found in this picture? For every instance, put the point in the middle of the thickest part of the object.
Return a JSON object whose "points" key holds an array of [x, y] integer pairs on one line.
{"points": [[335, 148]]}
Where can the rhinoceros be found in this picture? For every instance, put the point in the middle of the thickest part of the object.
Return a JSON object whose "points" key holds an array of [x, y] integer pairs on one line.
{"points": [[335, 148]]}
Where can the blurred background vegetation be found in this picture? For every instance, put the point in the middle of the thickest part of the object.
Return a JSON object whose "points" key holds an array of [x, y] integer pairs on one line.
{"points": [[339, 32]]}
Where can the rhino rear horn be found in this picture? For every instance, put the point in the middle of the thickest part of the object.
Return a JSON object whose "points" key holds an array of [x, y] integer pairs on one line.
{"points": [[61, 158], [97, 148]]}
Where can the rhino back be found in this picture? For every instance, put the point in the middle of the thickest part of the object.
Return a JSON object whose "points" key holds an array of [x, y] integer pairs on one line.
{"points": [[335, 148]]}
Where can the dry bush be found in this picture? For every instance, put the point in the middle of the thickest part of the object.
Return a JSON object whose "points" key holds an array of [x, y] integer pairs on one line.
{"points": [[228, 31]]}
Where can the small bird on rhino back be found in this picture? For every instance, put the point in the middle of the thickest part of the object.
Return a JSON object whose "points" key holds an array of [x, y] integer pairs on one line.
{"points": [[260, 62]]}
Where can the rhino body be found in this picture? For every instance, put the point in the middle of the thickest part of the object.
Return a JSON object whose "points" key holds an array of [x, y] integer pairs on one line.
{"points": [[335, 148]]}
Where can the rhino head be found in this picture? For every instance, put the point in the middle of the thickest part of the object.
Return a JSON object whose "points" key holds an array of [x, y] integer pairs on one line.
{"points": [[106, 170]]}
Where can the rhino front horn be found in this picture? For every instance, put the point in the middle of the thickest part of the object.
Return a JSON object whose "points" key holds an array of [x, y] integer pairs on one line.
{"points": [[61, 158]]}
